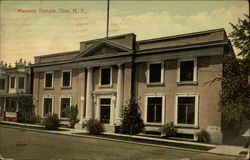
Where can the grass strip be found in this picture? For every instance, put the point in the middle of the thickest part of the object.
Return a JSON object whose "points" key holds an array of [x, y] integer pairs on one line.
{"points": [[30, 127], [173, 144], [171, 138]]}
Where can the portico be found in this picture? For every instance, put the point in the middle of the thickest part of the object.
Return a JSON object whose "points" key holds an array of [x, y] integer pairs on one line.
{"points": [[104, 102]]}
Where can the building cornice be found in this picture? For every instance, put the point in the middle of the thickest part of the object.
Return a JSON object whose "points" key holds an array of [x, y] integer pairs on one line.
{"points": [[58, 54], [124, 56], [109, 38], [180, 36], [181, 47]]}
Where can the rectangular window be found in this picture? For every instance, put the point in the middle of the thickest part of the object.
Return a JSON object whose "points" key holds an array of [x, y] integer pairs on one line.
{"points": [[187, 70], [65, 103], [105, 110], [12, 82], [155, 74], [105, 76], [66, 78], [47, 108], [2, 84], [21, 83], [186, 110], [154, 110], [48, 80]]}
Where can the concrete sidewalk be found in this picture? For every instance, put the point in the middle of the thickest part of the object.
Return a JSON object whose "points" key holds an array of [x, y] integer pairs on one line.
{"points": [[218, 149]]}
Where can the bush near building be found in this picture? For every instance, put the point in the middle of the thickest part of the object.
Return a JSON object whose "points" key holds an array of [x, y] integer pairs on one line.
{"points": [[51, 122], [132, 122], [203, 136], [94, 126], [169, 130], [71, 113]]}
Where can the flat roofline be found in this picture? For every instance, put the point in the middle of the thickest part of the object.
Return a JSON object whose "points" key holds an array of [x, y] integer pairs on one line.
{"points": [[108, 38], [57, 54], [180, 35]]}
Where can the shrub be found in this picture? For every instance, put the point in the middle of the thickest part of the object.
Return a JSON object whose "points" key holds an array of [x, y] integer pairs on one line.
{"points": [[94, 126], [71, 113], [203, 136], [247, 143], [31, 119], [132, 122], [169, 129], [51, 122], [26, 109]]}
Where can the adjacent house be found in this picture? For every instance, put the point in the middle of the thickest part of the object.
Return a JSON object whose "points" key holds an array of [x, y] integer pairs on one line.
{"points": [[167, 75], [14, 81]]}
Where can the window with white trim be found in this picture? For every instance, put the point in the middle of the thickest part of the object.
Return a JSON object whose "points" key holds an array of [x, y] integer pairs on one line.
{"points": [[47, 106], [2, 84], [187, 109], [20, 82], [48, 80], [65, 103], [66, 79], [187, 70], [106, 76], [155, 73], [12, 82], [154, 112], [105, 104]]}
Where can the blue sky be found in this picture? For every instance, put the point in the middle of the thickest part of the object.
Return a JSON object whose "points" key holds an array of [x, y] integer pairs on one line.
{"points": [[25, 35]]}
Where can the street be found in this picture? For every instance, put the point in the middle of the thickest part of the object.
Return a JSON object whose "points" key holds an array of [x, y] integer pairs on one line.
{"points": [[23, 144]]}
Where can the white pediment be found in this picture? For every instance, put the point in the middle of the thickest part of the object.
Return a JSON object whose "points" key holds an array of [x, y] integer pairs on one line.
{"points": [[103, 47]]}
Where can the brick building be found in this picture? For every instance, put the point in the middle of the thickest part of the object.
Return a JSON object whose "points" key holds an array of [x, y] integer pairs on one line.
{"points": [[166, 74]]}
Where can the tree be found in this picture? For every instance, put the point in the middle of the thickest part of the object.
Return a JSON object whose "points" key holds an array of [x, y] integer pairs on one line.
{"points": [[234, 97], [71, 113], [240, 37], [132, 122], [26, 109]]}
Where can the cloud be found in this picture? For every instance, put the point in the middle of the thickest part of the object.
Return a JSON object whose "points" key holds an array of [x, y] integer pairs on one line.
{"points": [[29, 35]]}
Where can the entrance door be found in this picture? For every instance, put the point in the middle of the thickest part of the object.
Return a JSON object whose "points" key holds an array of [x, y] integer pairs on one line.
{"points": [[105, 110]]}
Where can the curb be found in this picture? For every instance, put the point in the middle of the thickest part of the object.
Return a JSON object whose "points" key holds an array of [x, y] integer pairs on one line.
{"points": [[117, 140]]}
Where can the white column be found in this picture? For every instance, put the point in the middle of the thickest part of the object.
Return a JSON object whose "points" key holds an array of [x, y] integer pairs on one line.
{"points": [[98, 108], [120, 91], [82, 109], [89, 100], [17, 107], [4, 104], [112, 110], [79, 125]]}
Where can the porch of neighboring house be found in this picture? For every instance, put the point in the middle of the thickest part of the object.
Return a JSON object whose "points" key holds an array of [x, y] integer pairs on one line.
{"points": [[9, 109]]}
